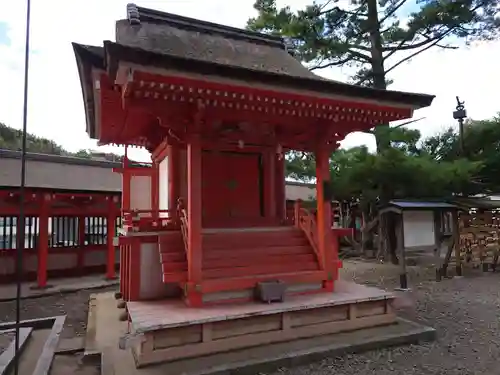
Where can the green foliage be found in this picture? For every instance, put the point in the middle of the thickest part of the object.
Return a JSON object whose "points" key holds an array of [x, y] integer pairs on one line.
{"points": [[413, 168], [481, 145], [376, 36], [370, 32], [11, 139]]}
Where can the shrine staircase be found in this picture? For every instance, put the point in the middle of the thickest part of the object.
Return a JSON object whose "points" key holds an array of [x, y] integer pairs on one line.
{"points": [[235, 260]]}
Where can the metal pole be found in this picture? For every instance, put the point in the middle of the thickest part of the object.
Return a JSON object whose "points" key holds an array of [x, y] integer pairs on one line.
{"points": [[461, 135], [460, 114], [21, 223]]}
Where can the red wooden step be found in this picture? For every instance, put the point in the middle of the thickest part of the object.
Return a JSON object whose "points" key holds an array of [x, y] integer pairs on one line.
{"points": [[174, 277], [238, 283], [257, 251], [237, 235], [177, 256], [169, 238], [173, 267], [246, 243], [258, 259], [259, 269]]}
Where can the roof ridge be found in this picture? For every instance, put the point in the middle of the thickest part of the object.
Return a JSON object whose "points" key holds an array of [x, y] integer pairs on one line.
{"points": [[136, 15]]}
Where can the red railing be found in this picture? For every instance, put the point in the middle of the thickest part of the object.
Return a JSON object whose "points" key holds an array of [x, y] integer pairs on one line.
{"points": [[306, 221], [183, 219], [149, 220]]}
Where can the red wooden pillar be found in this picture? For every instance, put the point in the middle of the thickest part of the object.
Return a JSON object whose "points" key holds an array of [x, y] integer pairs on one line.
{"points": [[194, 255], [110, 231], [80, 260], [173, 179], [43, 242], [269, 185], [125, 205], [155, 195], [280, 188], [325, 216]]}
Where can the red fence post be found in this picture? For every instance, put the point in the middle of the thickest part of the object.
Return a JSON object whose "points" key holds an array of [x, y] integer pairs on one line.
{"points": [[111, 224], [43, 241], [80, 260]]}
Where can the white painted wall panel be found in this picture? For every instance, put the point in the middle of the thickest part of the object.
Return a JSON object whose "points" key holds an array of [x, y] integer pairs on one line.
{"points": [[163, 186], [151, 283], [418, 228], [140, 193]]}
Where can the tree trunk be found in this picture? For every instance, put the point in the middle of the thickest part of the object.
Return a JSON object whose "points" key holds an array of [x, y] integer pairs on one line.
{"points": [[382, 132]]}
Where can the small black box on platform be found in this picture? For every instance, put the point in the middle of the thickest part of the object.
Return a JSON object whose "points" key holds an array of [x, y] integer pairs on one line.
{"points": [[270, 291]]}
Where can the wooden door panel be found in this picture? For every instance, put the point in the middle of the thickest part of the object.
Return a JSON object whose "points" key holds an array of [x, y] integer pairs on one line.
{"points": [[244, 186], [214, 176]]}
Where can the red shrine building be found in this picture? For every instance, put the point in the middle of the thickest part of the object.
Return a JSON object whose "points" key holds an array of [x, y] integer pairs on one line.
{"points": [[218, 107]]}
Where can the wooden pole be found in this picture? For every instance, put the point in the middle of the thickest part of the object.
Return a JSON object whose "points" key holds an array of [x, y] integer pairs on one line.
{"points": [[456, 240], [403, 277], [437, 244]]}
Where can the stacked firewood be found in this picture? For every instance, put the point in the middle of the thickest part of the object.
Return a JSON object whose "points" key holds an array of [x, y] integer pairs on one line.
{"points": [[479, 239]]}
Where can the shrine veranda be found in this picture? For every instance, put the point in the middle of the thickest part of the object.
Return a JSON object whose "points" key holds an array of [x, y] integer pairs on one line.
{"points": [[205, 228]]}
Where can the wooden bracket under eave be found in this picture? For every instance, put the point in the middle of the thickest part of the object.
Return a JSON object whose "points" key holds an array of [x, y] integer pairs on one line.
{"points": [[127, 87]]}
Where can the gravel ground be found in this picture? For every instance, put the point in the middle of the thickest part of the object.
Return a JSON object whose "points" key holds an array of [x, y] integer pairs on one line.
{"points": [[73, 305], [465, 312]]}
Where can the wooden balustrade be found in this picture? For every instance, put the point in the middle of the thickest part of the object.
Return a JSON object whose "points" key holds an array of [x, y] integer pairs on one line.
{"points": [[149, 220], [306, 221], [183, 220]]}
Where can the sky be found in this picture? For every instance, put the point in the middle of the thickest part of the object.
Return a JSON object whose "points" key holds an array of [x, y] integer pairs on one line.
{"points": [[55, 108]]}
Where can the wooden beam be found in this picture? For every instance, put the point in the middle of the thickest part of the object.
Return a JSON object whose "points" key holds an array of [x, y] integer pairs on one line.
{"points": [[324, 217], [194, 250]]}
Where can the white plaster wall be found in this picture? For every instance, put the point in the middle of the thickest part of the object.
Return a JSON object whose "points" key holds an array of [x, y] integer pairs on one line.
{"points": [[140, 193], [151, 283], [163, 186], [418, 228]]}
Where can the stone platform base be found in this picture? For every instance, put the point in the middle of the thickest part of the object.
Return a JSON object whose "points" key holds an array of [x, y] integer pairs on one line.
{"points": [[248, 338], [268, 358], [171, 331]]}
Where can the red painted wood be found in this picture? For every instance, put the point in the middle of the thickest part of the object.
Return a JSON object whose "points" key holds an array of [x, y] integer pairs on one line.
{"points": [[194, 208], [81, 242], [244, 189], [175, 277], [262, 258], [256, 252], [43, 242], [230, 188], [110, 256], [215, 177], [249, 243], [269, 167], [270, 270], [289, 100], [227, 284], [324, 216]]}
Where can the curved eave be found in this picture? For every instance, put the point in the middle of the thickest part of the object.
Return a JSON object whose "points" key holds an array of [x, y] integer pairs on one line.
{"points": [[87, 61], [115, 53]]}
